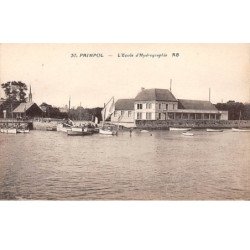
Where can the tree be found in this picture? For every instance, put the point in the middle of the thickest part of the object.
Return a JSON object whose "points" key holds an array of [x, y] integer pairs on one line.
{"points": [[15, 91], [234, 109]]}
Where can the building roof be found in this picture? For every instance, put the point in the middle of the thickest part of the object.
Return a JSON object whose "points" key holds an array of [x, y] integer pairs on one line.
{"points": [[155, 95], [23, 107], [124, 104], [195, 104]]}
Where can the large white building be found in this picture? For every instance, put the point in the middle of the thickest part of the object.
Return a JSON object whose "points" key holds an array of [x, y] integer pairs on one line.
{"points": [[161, 104]]}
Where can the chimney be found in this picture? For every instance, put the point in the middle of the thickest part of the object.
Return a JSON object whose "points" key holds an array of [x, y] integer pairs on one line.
{"points": [[142, 88], [170, 88], [209, 95]]}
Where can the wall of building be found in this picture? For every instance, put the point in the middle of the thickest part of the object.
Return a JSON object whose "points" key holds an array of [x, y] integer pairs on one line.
{"points": [[224, 115], [159, 124], [123, 116], [151, 109]]}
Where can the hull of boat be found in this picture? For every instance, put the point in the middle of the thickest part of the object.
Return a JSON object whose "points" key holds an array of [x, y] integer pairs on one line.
{"points": [[107, 132], [179, 129], [61, 128], [78, 133], [214, 130], [77, 129], [9, 130], [240, 130], [23, 131], [188, 134], [93, 130], [50, 129]]}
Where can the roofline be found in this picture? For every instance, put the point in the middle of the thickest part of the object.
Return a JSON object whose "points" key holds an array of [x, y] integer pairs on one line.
{"points": [[194, 100]]}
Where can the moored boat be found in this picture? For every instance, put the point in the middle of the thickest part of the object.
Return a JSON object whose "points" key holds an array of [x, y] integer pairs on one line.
{"points": [[214, 130], [179, 129], [77, 129], [107, 111], [240, 130], [144, 131], [63, 127], [10, 131], [78, 133], [23, 130], [107, 131], [187, 133]]}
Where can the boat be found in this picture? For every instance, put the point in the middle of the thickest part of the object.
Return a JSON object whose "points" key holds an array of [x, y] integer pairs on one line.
{"points": [[63, 127], [93, 130], [107, 131], [187, 133], [240, 129], [107, 111], [23, 130], [78, 133], [10, 130], [77, 129], [144, 131], [179, 129], [50, 128], [214, 130]]}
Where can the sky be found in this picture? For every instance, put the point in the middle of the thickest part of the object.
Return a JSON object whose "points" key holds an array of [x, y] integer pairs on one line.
{"points": [[59, 71]]}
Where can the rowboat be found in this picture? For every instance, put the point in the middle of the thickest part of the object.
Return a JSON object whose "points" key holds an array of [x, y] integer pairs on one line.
{"points": [[78, 133], [187, 133], [179, 129], [144, 131], [107, 131], [23, 130], [240, 130], [214, 130]]}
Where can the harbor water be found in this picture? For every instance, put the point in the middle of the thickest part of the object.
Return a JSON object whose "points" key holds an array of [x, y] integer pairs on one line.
{"points": [[159, 165]]}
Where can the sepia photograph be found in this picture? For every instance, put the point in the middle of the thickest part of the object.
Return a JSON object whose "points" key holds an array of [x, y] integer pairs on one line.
{"points": [[124, 121]]}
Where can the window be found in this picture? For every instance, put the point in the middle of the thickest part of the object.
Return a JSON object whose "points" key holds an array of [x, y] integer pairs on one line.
{"points": [[159, 116], [139, 105], [115, 114], [148, 105], [139, 116], [122, 112], [148, 116], [159, 105], [129, 113], [166, 106]]}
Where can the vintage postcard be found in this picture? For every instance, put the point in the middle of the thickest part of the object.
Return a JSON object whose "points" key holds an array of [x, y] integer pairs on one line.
{"points": [[124, 121]]}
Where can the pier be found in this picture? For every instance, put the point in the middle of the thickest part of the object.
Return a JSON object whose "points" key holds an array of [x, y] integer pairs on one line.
{"points": [[15, 122]]}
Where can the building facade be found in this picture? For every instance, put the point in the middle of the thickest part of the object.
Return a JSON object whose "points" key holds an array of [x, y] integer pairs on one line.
{"points": [[161, 104], [154, 104], [27, 110], [124, 113]]}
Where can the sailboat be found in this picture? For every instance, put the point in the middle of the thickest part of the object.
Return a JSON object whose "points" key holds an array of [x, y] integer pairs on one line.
{"points": [[240, 129], [108, 110]]}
